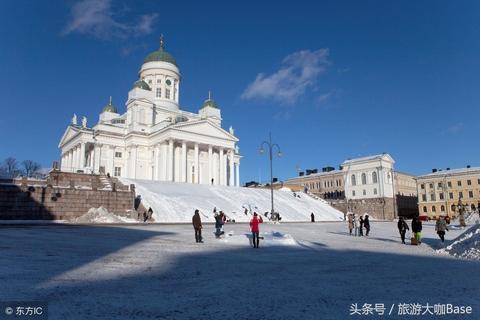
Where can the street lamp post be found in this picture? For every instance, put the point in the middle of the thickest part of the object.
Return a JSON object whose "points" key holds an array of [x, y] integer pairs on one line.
{"points": [[271, 146]]}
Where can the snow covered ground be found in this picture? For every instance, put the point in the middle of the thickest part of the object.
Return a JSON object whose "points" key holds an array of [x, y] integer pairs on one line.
{"points": [[301, 271], [466, 245], [176, 202]]}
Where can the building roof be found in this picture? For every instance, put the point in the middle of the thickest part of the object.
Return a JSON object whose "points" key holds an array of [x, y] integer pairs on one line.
{"points": [[313, 175], [161, 55], [142, 85], [450, 172], [368, 158], [110, 107], [210, 102]]}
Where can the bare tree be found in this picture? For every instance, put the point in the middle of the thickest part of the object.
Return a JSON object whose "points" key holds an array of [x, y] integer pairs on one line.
{"points": [[9, 167], [30, 167]]}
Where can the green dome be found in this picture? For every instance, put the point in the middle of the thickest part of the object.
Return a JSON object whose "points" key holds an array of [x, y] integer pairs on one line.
{"points": [[110, 107], [210, 103], [160, 55], [141, 84]]}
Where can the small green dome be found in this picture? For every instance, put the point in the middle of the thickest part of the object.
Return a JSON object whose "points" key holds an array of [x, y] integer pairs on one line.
{"points": [[142, 85], [210, 102], [160, 55], [110, 107]]}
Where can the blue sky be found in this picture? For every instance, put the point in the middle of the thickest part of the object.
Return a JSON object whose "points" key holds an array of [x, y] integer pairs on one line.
{"points": [[330, 79]]}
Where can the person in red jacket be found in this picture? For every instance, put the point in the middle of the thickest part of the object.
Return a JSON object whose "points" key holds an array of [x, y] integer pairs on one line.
{"points": [[256, 220]]}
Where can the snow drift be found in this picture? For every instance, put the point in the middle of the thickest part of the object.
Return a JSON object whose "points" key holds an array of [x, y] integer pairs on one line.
{"points": [[176, 202], [101, 215], [466, 245], [273, 238]]}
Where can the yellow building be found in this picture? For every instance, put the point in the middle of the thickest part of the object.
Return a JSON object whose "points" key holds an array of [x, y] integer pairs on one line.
{"points": [[442, 191]]}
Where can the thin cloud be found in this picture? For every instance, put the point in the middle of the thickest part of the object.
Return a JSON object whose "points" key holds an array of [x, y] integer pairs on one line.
{"points": [[329, 100], [299, 71], [455, 128], [97, 18]]}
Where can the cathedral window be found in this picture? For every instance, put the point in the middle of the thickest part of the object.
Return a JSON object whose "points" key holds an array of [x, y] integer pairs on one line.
{"points": [[364, 178], [159, 93], [159, 81], [374, 177], [375, 191], [167, 93], [354, 180], [118, 154], [118, 172]]}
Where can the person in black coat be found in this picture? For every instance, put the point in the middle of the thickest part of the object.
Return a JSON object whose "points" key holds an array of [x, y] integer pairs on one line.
{"points": [[312, 217], [402, 228], [361, 226], [366, 224], [417, 229]]}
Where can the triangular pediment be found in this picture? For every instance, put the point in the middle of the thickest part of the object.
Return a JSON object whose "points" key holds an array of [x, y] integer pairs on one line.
{"points": [[204, 127], [69, 133]]}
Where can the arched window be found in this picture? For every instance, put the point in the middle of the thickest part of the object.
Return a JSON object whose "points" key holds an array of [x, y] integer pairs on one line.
{"points": [[425, 209], [374, 177], [354, 180], [442, 208], [434, 209], [364, 178]]}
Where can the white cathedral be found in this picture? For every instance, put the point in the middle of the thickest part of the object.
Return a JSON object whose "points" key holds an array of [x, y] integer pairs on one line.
{"points": [[154, 139]]}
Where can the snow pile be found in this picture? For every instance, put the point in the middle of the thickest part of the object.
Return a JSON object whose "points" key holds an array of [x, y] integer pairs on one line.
{"points": [[285, 189], [176, 202], [472, 218], [101, 215], [269, 239], [466, 246]]}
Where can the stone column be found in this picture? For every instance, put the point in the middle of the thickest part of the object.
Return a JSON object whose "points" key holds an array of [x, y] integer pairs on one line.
{"points": [[210, 164], [183, 170], [170, 160], [82, 155], [156, 163], [221, 171], [197, 166], [232, 169], [164, 161], [111, 157], [74, 158], [98, 157], [134, 162], [237, 174]]}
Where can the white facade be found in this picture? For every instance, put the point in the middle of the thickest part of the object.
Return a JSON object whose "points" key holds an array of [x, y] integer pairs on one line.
{"points": [[369, 177], [154, 139]]}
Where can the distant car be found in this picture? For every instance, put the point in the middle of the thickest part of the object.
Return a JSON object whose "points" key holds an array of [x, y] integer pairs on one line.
{"points": [[423, 218]]}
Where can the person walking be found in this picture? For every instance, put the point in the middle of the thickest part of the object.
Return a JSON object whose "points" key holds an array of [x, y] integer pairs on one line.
{"points": [[441, 227], [312, 217], [361, 226], [350, 222], [254, 227], [366, 224], [417, 229], [356, 225], [197, 225], [402, 228]]}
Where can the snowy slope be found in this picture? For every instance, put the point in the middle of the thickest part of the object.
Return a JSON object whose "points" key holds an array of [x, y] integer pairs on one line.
{"points": [[176, 202], [466, 245]]}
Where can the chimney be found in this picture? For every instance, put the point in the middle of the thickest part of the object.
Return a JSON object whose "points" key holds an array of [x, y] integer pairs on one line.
{"points": [[434, 170]]}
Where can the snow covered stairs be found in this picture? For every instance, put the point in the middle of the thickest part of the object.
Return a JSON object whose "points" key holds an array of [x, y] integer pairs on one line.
{"points": [[105, 183]]}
